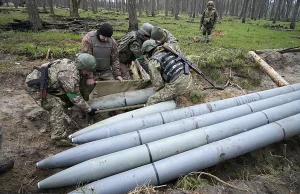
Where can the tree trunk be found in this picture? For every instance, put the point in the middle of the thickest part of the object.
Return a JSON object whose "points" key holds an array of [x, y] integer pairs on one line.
{"points": [[133, 23], [268, 69], [153, 7], [94, 6], [294, 15], [34, 17], [141, 7], [253, 9], [44, 6], [276, 12], [74, 5], [166, 7], [50, 2], [245, 11], [194, 6], [176, 11], [288, 9]]}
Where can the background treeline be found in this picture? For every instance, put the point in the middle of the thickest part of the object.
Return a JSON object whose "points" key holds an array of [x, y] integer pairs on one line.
{"points": [[275, 10]]}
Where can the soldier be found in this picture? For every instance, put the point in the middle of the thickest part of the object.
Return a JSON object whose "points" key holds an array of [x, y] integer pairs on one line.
{"points": [[63, 85], [130, 45], [208, 21], [162, 36], [166, 71], [103, 47], [5, 163]]}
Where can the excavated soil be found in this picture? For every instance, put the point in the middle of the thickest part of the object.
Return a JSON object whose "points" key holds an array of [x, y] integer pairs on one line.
{"points": [[26, 138]]}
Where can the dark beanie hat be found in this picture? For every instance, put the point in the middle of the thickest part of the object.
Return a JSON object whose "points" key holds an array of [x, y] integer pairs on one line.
{"points": [[105, 30]]}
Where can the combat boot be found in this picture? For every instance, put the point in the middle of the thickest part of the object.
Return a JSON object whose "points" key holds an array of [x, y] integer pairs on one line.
{"points": [[208, 39], [5, 165]]}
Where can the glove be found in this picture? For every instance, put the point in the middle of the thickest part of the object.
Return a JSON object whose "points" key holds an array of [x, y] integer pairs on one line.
{"points": [[92, 112]]}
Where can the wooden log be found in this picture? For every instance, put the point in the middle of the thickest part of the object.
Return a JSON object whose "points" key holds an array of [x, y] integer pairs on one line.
{"points": [[276, 78], [285, 50]]}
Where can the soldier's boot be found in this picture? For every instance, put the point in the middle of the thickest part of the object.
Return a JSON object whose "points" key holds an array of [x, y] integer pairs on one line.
{"points": [[208, 39], [5, 165], [203, 39]]}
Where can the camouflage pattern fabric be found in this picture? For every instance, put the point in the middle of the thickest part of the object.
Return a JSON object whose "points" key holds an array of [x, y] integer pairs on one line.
{"points": [[172, 41], [131, 50], [87, 47], [64, 81], [166, 91], [209, 18]]}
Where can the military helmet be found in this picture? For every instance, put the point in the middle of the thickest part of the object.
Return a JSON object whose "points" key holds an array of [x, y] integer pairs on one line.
{"points": [[148, 46], [158, 33], [146, 29], [210, 3], [85, 61]]}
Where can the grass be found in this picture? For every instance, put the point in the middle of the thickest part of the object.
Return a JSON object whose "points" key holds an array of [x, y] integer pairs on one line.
{"points": [[249, 36], [191, 182]]}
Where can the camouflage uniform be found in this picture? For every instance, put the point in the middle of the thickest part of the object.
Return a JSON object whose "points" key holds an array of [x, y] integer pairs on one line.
{"points": [[63, 84], [165, 90], [109, 74], [208, 22], [129, 47]]}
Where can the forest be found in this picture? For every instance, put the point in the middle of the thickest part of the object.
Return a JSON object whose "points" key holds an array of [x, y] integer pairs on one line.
{"points": [[34, 32]]}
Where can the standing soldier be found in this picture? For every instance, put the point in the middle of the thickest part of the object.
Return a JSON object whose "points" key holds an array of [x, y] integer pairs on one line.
{"points": [[130, 45], [208, 21], [167, 72], [103, 47], [58, 82], [162, 36]]}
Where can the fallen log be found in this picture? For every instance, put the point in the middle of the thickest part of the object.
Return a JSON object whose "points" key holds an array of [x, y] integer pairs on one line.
{"points": [[276, 78], [285, 50]]}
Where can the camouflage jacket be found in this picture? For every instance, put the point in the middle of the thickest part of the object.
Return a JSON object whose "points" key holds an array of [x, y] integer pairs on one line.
{"points": [[209, 17], [170, 37], [63, 78], [130, 49], [87, 47]]}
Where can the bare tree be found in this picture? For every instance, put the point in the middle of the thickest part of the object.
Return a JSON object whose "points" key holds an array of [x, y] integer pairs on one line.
{"points": [[253, 9], [153, 2], [176, 9], [74, 5], [94, 6], [294, 15], [276, 12], [133, 23], [245, 11], [50, 3], [141, 7], [167, 3], [34, 17]]}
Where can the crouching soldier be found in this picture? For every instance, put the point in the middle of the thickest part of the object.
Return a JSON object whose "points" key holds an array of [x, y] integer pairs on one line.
{"points": [[169, 74], [130, 45], [162, 36], [60, 79]]}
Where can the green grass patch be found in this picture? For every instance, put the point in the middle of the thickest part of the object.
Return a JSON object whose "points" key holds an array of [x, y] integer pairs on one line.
{"points": [[191, 182]]}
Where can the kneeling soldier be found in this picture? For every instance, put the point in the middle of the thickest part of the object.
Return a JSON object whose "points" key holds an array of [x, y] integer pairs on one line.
{"points": [[168, 72], [61, 80]]}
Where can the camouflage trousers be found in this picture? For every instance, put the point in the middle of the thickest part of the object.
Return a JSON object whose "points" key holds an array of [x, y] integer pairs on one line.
{"points": [[180, 86], [59, 120]]}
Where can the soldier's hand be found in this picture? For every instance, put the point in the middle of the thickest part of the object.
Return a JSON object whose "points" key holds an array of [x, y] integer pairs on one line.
{"points": [[120, 78], [90, 82]]}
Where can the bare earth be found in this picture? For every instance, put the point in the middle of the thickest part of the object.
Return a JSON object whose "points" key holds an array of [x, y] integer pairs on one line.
{"points": [[26, 138]]}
